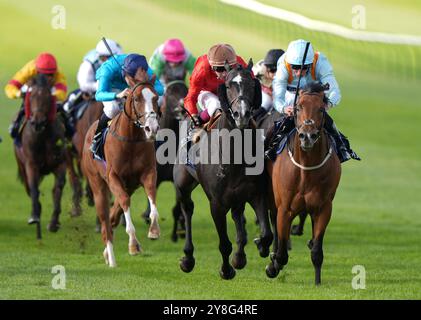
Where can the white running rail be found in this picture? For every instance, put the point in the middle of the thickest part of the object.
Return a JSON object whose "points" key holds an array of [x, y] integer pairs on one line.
{"points": [[322, 26]]}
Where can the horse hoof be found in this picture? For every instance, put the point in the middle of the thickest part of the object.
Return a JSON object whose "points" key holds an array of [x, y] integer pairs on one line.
{"points": [[153, 235], [296, 230], [33, 220], [239, 261], [310, 244], [263, 251], [187, 264], [135, 249], [76, 212], [271, 271], [53, 226], [228, 274]]}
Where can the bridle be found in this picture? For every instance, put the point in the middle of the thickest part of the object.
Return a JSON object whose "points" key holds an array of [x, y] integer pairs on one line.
{"points": [[138, 116], [240, 97], [309, 122]]}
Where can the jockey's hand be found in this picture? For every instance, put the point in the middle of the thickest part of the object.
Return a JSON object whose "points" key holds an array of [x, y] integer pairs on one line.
{"points": [[123, 93], [196, 121], [18, 94], [289, 111]]}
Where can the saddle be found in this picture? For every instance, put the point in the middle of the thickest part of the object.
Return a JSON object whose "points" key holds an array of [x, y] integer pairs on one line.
{"points": [[207, 127]]}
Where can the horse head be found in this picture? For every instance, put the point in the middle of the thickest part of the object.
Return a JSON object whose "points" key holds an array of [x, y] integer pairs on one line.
{"points": [[309, 114], [39, 101], [143, 102], [242, 93], [174, 72]]}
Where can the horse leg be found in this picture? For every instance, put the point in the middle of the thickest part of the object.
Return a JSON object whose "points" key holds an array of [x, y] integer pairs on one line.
{"points": [[146, 213], [75, 182], [123, 199], [227, 272], [280, 257], [33, 182], [297, 230], [149, 183], [101, 200], [89, 195], [239, 260], [179, 227], [320, 222], [266, 237], [184, 185], [60, 180]]}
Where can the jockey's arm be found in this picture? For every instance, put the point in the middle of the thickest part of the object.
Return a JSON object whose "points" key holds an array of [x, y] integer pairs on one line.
{"points": [[157, 64], [86, 77], [279, 86], [13, 87], [196, 85], [189, 65], [324, 73], [60, 86], [104, 92], [159, 88]]}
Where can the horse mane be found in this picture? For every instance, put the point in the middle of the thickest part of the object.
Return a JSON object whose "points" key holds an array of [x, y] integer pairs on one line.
{"points": [[40, 80]]}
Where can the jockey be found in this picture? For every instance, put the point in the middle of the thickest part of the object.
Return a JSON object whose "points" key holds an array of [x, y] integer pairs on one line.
{"points": [[316, 68], [173, 60], [115, 77], [209, 72], [86, 74], [46, 64], [265, 71]]}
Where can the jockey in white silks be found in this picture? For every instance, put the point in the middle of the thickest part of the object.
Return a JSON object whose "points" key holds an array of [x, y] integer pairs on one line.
{"points": [[316, 68]]}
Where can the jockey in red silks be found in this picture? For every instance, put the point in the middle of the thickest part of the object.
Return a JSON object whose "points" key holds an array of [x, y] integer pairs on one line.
{"points": [[209, 72]]}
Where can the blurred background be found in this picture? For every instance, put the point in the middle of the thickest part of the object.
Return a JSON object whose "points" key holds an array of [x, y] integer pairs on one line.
{"points": [[377, 212]]}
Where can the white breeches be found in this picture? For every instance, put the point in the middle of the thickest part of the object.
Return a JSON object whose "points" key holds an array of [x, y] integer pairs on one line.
{"points": [[112, 108], [267, 101], [209, 101]]}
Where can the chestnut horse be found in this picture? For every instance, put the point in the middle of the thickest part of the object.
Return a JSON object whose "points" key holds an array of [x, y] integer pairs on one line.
{"points": [[42, 150], [305, 177], [130, 162]]}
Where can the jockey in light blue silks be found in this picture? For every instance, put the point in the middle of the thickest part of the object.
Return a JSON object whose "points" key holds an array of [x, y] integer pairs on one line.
{"points": [[316, 68], [113, 79]]}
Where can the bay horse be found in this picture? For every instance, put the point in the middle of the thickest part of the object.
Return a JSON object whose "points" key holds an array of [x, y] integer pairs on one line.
{"points": [[171, 114], [42, 149], [305, 176], [130, 162], [227, 186]]}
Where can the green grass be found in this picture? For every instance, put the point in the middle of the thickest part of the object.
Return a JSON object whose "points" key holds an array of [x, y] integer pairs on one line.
{"points": [[376, 219], [379, 13]]}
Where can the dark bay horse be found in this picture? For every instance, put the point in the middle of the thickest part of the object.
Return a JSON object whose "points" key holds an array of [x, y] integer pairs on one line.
{"points": [[42, 150], [130, 162], [226, 184], [74, 153], [305, 177]]}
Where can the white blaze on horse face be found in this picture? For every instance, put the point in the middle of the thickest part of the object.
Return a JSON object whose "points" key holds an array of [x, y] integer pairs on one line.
{"points": [[237, 79], [151, 123]]}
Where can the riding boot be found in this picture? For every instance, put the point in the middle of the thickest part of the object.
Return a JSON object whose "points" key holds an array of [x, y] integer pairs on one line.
{"points": [[14, 127], [280, 129], [102, 124], [342, 144]]}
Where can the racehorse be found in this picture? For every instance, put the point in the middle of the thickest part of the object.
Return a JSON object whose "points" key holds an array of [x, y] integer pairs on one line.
{"points": [[42, 149], [226, 185], [171, 114], [130, 162], [305, 177]]}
